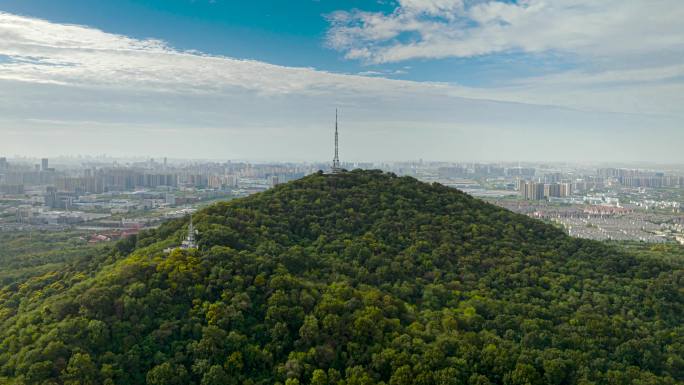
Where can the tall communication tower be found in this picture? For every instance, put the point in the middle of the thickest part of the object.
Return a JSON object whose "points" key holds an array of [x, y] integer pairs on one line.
{"points": [[336, 160], [189, 242]]}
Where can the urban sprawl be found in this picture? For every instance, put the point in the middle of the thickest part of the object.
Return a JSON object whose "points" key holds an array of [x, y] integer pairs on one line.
{"points": [[109, 198]]}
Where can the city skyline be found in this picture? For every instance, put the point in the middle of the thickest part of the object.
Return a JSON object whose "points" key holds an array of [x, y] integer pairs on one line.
{"points": [[118, 197], [413, 79]]}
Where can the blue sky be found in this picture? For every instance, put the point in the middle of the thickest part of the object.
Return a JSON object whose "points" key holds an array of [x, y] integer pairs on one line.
{"points": [[289, 33], [446, 79]]}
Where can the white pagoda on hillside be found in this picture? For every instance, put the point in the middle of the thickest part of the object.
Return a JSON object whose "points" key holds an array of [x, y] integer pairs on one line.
{"points": [[189, 242]]}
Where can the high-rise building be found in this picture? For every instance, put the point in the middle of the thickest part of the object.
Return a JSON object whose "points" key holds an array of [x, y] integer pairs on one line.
{"points": [[57, 199], [608, 172], [12, 189], [232, 180], [531, 190], [522, 188], [222, 181], [81, 185], [565, 189], [51, 197], [537, 191], [552, 190], [453, 172], [44, 165], [274, 180], [554, 177], [520, 171], [3, 164]]}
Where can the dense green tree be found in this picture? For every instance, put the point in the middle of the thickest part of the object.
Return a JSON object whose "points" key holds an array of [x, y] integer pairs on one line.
{"points": [[80, 371], [163, 374], [357, 278], [217, 376], [319, 377]]}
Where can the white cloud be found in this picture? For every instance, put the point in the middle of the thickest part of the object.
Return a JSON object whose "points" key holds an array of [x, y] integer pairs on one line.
{"points": [[45, 52], [386, 73], [602, 30], [653, 90], [432, 7]]}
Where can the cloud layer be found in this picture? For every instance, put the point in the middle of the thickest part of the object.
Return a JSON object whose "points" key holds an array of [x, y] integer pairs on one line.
{"points": [[602, 30], [75, 89], [625, 56], [44, 52]]}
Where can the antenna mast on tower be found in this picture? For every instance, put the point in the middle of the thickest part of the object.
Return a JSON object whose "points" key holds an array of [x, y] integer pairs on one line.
{"points": [[336, 160]]}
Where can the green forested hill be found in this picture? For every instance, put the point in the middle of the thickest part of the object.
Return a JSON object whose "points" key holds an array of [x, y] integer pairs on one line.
{"points": [[27, 254], [356, 278]]}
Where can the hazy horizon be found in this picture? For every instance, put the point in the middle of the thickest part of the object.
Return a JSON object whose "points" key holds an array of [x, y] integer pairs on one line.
{"points": [[80, 159]]}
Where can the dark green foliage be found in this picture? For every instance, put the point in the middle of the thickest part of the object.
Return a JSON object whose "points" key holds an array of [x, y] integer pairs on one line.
{"points": [[351, 279]]}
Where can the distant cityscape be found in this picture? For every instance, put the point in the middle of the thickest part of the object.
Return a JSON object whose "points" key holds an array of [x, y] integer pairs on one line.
{"points": [[112, 198]]}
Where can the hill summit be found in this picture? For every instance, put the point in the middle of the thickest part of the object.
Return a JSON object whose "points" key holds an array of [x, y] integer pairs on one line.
{"points": [[355, 278]]}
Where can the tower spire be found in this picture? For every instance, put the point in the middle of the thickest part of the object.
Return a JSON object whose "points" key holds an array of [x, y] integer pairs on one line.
{"points": [[336, 160]]}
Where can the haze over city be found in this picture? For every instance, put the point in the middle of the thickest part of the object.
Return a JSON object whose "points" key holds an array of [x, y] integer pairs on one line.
{"points": [[565, 80], [341, 192]]}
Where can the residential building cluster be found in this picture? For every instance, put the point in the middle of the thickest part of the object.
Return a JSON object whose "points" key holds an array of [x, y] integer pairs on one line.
{"points": [[98, 192], [531, 190], [641, 178], [104, 193]]}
